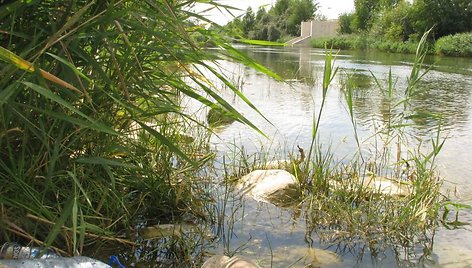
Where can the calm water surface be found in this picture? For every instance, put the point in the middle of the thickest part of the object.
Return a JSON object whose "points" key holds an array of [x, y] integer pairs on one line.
{"points": [[270, 234]]}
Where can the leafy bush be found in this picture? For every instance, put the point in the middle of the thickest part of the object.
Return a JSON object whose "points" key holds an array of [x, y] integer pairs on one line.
{"points": [[345, 23], [455, 45], [395, 47], [364, 42], [341, 42], [393, 24]]}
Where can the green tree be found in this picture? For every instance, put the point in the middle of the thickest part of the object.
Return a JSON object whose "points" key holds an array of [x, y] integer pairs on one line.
{"points": [[281, 7], [364, 12], [345, 23], [248, 21], [393, 23], [281, 20], [301, 10], [261, 13], [235, 27], [446, 16], [273, 33]]}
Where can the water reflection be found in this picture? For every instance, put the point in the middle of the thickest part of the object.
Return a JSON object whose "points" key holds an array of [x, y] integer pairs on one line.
{"points": [[444, 96]]}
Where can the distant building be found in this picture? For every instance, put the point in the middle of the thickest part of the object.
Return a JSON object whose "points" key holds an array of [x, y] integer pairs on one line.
{"points": [[315, 29]]}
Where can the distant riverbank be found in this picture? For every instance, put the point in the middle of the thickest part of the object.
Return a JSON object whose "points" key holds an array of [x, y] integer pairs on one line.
{"points": [[458, 45]]}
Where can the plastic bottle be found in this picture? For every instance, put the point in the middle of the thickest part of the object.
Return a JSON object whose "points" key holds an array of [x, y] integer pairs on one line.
{"points": [[15, 251], [59, 262]]}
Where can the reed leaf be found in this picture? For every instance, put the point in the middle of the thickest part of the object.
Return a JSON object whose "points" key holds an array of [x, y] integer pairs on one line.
{"points": [[22, 64]]}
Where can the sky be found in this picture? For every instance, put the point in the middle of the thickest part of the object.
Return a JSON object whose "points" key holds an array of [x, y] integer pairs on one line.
{"points": [[330, 8]]}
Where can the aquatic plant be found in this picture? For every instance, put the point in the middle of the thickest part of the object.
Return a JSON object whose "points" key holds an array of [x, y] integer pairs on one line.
{"points": [[347, 204]]}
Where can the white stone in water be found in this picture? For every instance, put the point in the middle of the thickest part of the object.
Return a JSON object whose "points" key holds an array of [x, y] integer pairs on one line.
{"points": [[307, 257], [272, 186], [387, 186], [220, 261]]}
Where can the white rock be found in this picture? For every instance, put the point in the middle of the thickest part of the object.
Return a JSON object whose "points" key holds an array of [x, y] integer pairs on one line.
{"points": [[387, 186], [272, 186], [220, 261]]}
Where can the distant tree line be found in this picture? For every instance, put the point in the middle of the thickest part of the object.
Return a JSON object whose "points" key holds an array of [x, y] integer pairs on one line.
{"points": [[281, 20], [400, 20]]}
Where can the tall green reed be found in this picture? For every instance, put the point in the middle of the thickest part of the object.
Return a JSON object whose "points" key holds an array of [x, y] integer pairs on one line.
{"points": [[90, 119], [344, 210]]}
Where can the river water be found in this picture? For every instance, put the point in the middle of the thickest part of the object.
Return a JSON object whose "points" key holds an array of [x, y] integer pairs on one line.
{"points": [[277, 237]]}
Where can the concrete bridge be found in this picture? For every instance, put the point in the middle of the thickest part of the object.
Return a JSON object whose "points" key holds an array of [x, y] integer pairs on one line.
{"points": [[314, 29]]}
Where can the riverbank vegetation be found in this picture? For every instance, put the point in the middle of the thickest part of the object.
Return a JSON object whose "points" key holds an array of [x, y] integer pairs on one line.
{"points": [[395, 26], [94, 141], [455, 45], [280, 22], [391, 26]]}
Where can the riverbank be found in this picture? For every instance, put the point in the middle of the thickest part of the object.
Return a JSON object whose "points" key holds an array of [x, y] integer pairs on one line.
{"points": [[459, 45]]}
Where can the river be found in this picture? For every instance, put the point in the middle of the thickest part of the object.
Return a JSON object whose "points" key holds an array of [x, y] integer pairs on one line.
{"points": [[277, 237]]}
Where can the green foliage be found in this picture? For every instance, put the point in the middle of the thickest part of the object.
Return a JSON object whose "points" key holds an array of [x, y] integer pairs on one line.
{"points": [[455, 45], [281, 7], [395, 46], [248, 21], [393, 24], [345, 23], [400, 21], [301, 10], [283, 19], [342, 42], [261, 14], [363, 42], [365, 11], [235, 27], [445, 17], [91, 122]]}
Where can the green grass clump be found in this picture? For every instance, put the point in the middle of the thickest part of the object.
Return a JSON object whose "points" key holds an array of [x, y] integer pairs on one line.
{"points": [[459, 45], [395, 46], [345, 211], [92, 142], [341, 42], [364, 42], [217, 118]]}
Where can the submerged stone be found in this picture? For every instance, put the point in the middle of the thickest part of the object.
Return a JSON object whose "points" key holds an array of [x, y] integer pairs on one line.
{"points": [[387, 186], [166, 230], [308, 257], [221, 261], [216, 118], [275, 186]]}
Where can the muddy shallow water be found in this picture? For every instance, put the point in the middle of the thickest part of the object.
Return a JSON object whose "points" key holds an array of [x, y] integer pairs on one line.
{"points": [[279, 236]]}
